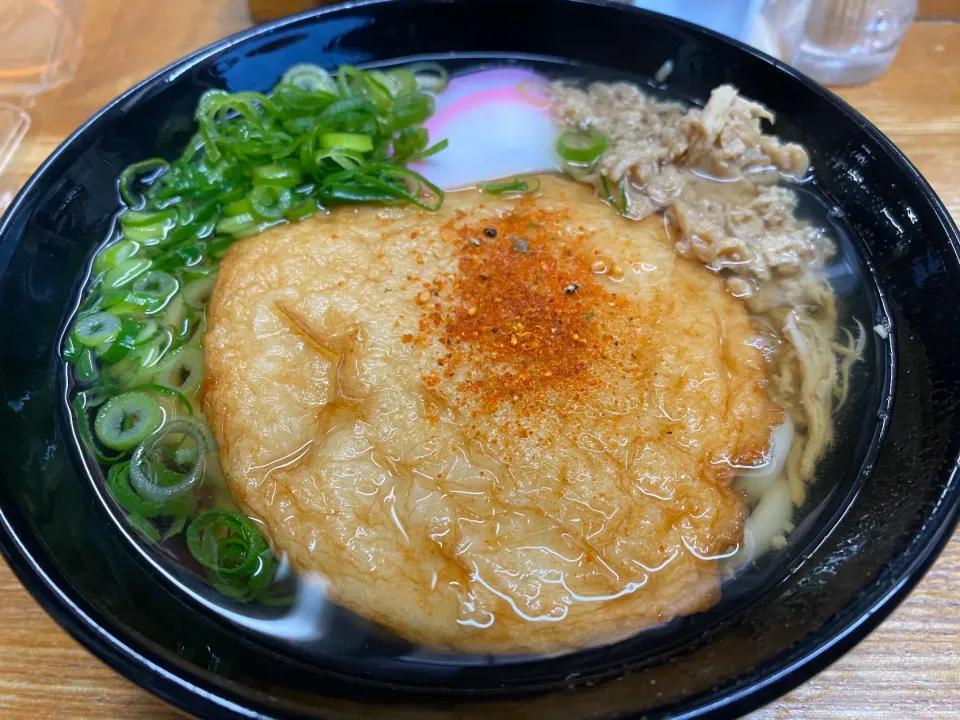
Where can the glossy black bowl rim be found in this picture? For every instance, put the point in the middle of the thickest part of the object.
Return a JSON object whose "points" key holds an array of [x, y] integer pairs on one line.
{"points": [[124, 653]]}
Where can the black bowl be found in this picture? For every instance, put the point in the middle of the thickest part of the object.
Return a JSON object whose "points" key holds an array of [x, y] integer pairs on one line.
{"points": [[884, 509]]}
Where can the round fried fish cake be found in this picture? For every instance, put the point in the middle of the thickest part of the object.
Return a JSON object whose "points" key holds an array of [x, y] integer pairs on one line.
{"points": [[505, 427]]}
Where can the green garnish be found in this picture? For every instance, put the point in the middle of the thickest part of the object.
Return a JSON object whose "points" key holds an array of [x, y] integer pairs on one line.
{"points": [[314, 137], [233, 551], [621, 205], [522, 185], [125, 421], [97, 328], [80, 407], [256, 160], [582, 147], [124, 342]]}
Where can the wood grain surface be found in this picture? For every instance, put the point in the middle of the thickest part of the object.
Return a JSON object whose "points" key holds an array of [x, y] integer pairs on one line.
{"points": [[908, 668]]}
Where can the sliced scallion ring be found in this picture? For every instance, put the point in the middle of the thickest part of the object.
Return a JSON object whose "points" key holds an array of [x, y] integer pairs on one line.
{"points": [[157, 284], [581, 147], [269, 202], [123, 422], [149, 355], [141, 218], [286, 176], [118, 482], [197, 293], [309, 77], [114, 254], [147, 170], [124, 273], [237, 558], [430, 76], [181, 371], [351, 141], [144, 476], [149, 329], [519, 185], [225, 542], [97, 328], [87, 368], [123, 343]]}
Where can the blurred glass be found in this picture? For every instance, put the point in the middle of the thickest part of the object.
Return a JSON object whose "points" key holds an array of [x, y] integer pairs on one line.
{"points": [[39, 44], [839, 42], [39, 50]]}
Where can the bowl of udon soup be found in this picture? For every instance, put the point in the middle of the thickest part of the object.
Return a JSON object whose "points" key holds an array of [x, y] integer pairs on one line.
{"points": [[431, 359]]}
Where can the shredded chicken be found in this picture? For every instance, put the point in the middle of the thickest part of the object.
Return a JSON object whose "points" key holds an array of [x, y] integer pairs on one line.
{"points": [[719, 178]]}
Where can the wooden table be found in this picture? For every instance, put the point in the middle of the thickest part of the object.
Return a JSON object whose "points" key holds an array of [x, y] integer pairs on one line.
{"points": [[908, 668]]}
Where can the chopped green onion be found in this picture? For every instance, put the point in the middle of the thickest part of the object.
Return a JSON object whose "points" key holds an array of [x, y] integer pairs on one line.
{"points": [[96, 396], [190, 273], [432, 150], [125, 272], [181, 371], [218, 248], [150, 328], [149, 169], [158, 285], [114, 254], [169, 392], [181, 257], [97, 328], [144, 528], [411, 109], [238, 225], [129, 301], [430, 76], [310, 78], [349, 141], [71, 349], [581, 147], [269, 202], [623, 205], [403, 81], [255, 160], [225, 542], [304, 210], [148, 234], [123, 422], [141, 218], [148, 355], [238, 208], [286, 176], [382, 183], [233, 551], [79, 405], [517, 185], [118, 482], [124, 342], [147, 479], [197, 293], [87, 368]]}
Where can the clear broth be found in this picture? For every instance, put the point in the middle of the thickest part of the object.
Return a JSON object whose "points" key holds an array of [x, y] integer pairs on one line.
{"points": [[325, 634]]}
